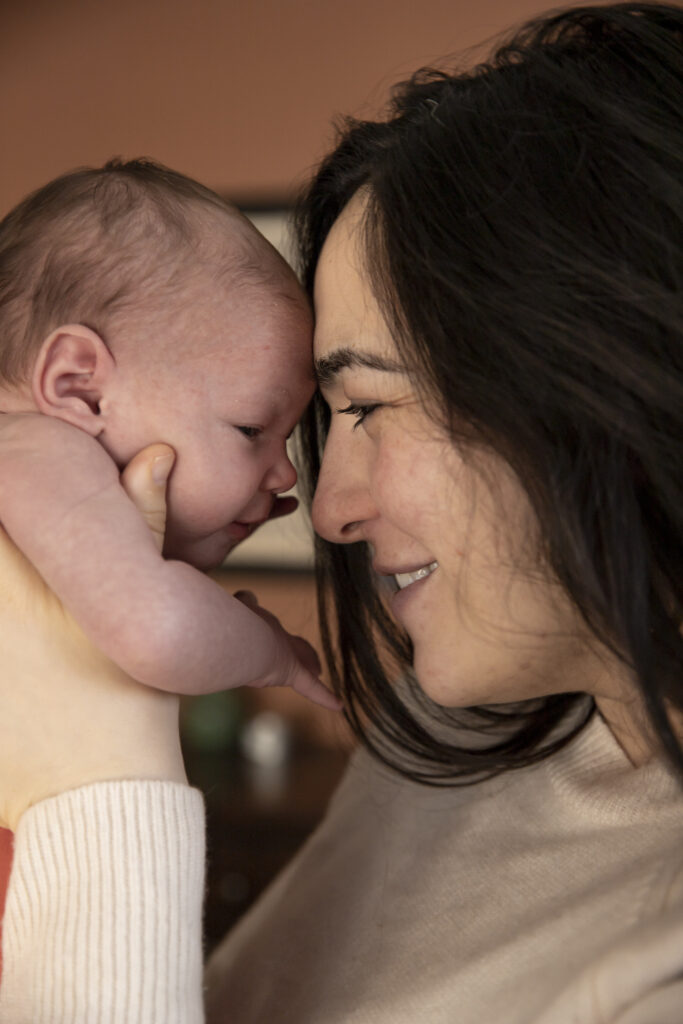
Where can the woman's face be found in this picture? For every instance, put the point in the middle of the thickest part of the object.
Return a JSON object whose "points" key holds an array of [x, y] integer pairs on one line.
{"points": [[486, 626]]}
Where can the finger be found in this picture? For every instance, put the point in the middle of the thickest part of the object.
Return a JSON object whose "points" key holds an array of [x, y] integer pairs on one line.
{"points": [[306, 654], [283, 507], [311, 688], [247, 597], [144, 480]]}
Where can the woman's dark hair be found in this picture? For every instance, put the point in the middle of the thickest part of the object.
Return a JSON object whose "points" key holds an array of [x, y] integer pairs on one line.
{"points": [[523, 235]]}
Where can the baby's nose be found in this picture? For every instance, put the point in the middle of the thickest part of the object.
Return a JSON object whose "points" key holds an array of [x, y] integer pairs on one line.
{"points": [[281, 476]]}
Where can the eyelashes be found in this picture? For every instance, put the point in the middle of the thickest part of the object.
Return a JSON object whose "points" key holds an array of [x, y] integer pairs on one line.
{"points": [[250, 432], [361, 412]]}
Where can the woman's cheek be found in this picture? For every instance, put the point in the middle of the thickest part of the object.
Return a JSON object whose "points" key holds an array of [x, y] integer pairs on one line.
{"points": [[395, 475]]}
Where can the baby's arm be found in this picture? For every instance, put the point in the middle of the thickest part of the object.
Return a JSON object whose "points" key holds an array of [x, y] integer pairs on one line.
{"points": [[164, 622]]}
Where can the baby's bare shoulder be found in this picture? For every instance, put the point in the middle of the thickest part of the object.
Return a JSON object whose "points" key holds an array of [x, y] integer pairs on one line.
{"points": [[16, 427], [26, 431], [33, 443]]}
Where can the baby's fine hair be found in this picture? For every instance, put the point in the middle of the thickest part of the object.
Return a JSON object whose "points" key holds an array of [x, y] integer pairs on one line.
{"points": [[94, 244]]}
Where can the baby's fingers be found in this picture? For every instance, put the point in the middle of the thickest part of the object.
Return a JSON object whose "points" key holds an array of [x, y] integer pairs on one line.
{"points": [[307, 655], [283, 506], [144, 480], [308, 686], [307, 668], [306, 681]]}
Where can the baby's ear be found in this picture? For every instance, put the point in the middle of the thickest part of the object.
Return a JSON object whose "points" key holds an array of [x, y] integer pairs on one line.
{"points": [[72, 371]]}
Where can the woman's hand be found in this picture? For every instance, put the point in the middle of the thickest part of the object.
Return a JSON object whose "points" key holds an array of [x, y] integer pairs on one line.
{"points": [[69, 716]]}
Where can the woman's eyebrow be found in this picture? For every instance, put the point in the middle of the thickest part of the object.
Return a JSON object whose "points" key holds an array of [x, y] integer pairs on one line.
{"points": [[329, 367]]}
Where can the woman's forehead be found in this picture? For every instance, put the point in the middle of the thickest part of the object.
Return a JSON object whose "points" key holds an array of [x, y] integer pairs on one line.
{"points": [[345, 238], [347, 314]]}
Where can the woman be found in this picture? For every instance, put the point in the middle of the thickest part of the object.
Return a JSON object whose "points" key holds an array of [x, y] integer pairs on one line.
{"points": [[496, 275]]}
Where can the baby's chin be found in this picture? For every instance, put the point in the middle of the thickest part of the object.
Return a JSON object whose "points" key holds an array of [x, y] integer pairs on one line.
{"points": [[205, 554]]}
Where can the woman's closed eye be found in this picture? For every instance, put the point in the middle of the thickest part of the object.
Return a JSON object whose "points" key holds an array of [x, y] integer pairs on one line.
{"points": [[361, 412]]}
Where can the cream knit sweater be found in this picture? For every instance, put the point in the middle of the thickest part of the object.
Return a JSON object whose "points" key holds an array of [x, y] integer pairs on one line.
{"points": [[552, 895]]}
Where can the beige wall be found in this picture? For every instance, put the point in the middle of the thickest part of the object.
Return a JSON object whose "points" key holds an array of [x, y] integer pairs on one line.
{"points": [[239, 93]]}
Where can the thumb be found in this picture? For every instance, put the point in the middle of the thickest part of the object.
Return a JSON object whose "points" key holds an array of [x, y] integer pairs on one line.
{"points": [[144, 480]]}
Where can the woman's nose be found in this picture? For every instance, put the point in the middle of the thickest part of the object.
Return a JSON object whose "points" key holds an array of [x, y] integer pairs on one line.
{"points": [[342, 503]]}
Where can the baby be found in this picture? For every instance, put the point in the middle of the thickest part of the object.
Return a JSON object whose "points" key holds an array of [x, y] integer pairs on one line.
{"points": [[136, 306]]}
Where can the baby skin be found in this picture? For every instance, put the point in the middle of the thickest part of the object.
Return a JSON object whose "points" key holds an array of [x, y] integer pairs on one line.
{"points": [[218, 367]]}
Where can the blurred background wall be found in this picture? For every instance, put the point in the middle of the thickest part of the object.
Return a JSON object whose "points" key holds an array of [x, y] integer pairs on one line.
{"points": [[237, 93]]}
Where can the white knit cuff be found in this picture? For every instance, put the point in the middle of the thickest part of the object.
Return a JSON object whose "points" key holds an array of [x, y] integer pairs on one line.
{"points": [[104, 908]]}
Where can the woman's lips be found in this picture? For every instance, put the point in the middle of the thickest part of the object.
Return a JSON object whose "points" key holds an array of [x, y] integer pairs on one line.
{"points": [[406, 579], [404, 595]]}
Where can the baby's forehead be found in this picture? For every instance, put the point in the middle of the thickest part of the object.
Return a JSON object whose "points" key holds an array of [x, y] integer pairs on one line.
{"points": [[232, 259], [227, 292], [241, 297]]}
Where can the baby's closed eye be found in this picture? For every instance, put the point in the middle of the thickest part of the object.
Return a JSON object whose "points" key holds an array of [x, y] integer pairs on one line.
{"points": [[250, 432]]}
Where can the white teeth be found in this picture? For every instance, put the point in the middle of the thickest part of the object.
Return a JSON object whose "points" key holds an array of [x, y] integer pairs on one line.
{"points": [[404, 579]]}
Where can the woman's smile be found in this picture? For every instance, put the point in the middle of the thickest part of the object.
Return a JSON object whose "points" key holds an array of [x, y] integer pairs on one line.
{"points": [[412, 587], [455, 532], [406, 579]]}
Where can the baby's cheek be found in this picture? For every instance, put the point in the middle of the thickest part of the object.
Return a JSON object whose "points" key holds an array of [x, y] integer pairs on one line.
{"points": [[186, 506], [193, 486]]}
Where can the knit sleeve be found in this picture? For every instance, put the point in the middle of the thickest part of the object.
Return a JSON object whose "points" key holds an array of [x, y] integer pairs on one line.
{"points": [[104, 908]]}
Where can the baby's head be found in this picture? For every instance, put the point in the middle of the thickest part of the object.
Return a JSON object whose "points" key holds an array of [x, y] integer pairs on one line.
{"points": [[140, 306]]}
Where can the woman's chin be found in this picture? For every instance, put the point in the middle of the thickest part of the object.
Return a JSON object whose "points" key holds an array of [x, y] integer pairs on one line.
{"points": [[447, 679]]}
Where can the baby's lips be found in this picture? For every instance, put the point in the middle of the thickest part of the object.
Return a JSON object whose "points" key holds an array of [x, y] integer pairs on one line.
{"points": [[239, 531]]}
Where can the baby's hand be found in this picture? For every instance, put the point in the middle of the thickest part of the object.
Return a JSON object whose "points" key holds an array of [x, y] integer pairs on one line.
{"points": [[298, 664]]}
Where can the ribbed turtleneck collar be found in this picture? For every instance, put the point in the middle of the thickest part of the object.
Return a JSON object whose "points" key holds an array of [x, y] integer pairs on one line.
{"points": [[594, 770]]}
